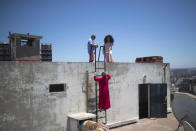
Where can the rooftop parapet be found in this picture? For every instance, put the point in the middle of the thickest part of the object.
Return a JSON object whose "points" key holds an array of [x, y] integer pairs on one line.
{"points": [[23, 36]]}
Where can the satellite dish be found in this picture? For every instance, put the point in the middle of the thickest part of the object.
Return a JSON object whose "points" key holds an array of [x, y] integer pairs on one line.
{"points": [[184, 108], [187, 126]]}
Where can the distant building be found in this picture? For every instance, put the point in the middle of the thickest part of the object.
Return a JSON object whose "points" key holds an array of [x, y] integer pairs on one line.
{"points": [[46, 52], [187, 85], [25, 47], [5, 52]]}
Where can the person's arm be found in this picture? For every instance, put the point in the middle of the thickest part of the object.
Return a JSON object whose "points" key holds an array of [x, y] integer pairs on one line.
{"points": [[92, 44], [109, 77], [104, 48], [95, 45], [95, 78], [111, 45]]}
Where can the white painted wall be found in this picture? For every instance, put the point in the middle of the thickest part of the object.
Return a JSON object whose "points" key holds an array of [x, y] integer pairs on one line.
{"points": [[26, 104], [124, 88]]}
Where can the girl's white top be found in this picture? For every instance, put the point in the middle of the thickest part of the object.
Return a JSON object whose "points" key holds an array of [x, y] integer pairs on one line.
{"points": [[108, 47]]}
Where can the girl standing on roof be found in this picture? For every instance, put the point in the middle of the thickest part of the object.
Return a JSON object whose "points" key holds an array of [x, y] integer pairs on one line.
{"points": [[108, 43]]}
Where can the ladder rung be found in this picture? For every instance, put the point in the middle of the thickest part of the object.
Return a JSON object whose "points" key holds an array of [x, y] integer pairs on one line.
{"points": [[100, 68], [100, 110], [101, 117], [98, 75]]}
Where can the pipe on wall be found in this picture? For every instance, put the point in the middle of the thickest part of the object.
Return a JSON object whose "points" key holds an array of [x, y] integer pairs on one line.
{"points": [[164, 75]]}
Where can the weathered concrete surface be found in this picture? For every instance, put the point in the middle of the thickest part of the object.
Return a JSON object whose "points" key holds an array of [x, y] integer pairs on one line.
{"points": [[124, 88], [25, 101], [161, 124], [26, 104]]}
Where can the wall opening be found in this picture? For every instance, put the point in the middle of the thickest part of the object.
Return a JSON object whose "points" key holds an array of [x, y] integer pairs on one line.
{"points": [[28, 42], [153, 100], [57, 87], [143, 101]]}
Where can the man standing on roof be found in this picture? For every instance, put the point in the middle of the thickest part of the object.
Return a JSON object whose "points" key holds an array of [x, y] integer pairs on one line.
{"points": [[91, 48]]}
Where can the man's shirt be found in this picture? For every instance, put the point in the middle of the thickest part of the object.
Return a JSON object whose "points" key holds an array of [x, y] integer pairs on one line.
{"points": [[91, 48]]}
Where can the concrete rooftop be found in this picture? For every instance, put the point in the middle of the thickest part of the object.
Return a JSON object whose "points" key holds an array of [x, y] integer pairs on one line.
{"points": [[153, 124]]}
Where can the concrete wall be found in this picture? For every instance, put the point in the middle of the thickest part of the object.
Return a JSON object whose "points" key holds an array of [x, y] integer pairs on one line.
{"points": [[124, 89], [27, 104], [28, 52]]}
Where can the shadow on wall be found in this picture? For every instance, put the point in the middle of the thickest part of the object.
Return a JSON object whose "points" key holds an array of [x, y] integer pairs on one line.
{"points": [[68, 124]]}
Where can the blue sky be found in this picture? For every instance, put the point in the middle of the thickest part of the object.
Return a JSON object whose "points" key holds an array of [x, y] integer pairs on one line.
{"points": [[140, 27]]}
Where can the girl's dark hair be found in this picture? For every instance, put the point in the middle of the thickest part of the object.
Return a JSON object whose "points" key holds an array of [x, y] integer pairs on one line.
{"points": [[103, 75], [111, 39]]}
